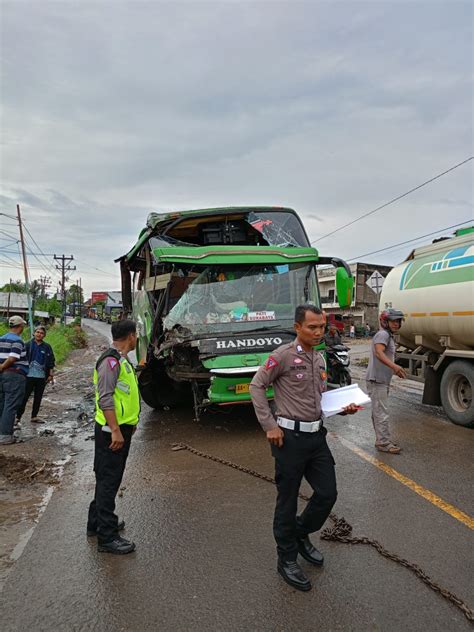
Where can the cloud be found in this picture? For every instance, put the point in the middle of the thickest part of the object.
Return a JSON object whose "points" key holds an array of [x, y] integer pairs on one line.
{"points": [[111, 110]]}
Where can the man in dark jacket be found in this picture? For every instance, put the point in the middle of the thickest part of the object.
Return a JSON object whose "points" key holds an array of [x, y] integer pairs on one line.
{"points": [[41, 360]]}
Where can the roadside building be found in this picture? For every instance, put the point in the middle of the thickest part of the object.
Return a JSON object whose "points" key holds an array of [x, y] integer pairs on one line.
{"points": [[13, 304], [368, 282], [113, 306], [105, 306]]}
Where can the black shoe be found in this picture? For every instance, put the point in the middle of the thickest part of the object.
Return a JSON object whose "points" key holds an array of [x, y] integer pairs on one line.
{"points": [[92, 532], [119, 546], [293, 575], [309, 552]]}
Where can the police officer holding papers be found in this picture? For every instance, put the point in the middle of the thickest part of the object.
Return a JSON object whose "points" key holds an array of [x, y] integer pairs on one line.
{"points": [[117, 413], [298, 441]]}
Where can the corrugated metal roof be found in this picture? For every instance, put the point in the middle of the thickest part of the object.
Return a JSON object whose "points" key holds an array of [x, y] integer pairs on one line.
{"points": [[17, 300]]}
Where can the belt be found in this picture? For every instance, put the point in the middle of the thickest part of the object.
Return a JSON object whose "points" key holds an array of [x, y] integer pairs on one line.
{"points": [[300, 426], [13, 370]]}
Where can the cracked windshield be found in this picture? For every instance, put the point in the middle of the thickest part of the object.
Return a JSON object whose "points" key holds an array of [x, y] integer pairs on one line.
{"points": [[243, 298]]}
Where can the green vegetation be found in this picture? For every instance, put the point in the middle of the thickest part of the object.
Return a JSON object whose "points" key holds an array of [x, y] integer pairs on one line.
{"points": [[63, 339]]}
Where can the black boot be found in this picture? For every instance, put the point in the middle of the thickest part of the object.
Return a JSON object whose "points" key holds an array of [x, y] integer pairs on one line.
{"points": [[119, 546], [293, 575], [309, 552]]}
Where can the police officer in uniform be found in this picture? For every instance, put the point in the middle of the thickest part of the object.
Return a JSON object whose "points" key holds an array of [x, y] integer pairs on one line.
{"points": [[298, 441], [117, 413]]}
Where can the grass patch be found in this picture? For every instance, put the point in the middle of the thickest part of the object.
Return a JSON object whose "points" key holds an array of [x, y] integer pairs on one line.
{"points": [[63, 339], [362, 362]]}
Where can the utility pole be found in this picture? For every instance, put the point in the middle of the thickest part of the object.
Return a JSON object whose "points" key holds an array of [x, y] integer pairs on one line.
{"points": [[63, 268], [9, 294], [44, 283], [25, 269], [80, 301]]}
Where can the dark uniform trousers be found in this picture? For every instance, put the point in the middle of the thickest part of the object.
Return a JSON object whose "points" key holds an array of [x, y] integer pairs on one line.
{"points": [[109, 467], [304, 454]]}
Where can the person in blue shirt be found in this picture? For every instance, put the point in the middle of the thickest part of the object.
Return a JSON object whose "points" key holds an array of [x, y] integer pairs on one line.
{"points": [[41, 360], [13, 372]]}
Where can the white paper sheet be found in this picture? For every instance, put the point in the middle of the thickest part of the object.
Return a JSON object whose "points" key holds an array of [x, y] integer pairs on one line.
{"points": [[332, 402]]}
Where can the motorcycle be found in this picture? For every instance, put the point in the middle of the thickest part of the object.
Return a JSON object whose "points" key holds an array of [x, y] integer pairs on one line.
{"points": [[338, 362]]}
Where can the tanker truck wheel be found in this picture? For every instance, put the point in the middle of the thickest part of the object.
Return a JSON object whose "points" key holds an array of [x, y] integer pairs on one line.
{"points": [[457, 385]]}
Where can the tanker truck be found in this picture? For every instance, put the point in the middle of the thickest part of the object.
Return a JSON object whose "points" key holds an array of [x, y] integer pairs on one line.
{"points": [[434, 287]]}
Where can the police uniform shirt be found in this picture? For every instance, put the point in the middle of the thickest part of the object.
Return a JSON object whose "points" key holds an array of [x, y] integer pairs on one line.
{"points": [[108, 373], [298, 378]]}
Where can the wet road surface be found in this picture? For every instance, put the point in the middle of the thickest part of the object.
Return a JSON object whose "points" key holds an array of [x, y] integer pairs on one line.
{"points": [[205, 556]]}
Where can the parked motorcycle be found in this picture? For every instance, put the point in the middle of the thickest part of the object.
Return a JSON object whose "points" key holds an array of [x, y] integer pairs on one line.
{"points": [[338, 365]]}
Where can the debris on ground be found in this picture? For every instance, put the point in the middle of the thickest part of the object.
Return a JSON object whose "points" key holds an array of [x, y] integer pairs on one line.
{"points": [[21, 470]]}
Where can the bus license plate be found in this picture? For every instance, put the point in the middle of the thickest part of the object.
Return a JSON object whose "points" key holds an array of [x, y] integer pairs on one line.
{"points": [[241, 388]]}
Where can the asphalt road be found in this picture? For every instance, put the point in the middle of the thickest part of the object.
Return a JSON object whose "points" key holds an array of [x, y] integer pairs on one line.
{"points": [[205, 556]]}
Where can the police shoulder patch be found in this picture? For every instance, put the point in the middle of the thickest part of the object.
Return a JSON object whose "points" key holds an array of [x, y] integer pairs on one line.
{"points": [[271, 363], [112, 362]]}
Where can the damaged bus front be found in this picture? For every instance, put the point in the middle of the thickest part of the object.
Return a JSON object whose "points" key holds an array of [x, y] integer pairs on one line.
{"points": [[213, 293]]}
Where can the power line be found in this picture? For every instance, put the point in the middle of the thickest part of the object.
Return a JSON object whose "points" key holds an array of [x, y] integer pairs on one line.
{"points": [[94, 268], [399, 197], [4, 232], [9, 216], [49, 268], [408, 241]]}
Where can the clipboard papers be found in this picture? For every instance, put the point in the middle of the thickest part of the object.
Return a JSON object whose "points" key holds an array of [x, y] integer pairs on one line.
{"points": [[332, 402]]}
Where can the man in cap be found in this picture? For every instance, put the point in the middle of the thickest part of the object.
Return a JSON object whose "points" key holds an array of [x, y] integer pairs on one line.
{"points": [[13, 372], [379, 375]]}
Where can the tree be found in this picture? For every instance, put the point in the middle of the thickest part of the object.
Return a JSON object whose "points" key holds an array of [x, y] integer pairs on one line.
{"points": [[14, 286], [42, 304], [74, 294], [54, 307]]}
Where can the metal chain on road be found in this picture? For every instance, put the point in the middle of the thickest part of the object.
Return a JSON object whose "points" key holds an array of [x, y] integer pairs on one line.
{"points": [[341, 532]]}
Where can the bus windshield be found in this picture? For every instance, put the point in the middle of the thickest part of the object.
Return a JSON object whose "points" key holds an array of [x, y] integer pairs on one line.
{"points": [[242, 297]]}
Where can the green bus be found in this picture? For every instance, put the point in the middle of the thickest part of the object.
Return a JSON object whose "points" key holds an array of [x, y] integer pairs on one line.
{"points": [[213, 292]]}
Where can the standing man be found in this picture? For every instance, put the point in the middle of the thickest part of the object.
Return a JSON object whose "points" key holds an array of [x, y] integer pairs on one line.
{"points": [[379, 375], [13, 372], [41, 360], [117, 413], [298, 441]]}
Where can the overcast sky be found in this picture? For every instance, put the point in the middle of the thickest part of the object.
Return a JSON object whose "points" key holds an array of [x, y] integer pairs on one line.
{"points": [[113, 109]]}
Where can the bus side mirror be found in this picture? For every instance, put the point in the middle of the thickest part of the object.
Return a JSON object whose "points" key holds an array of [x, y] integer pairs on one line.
{"points": [[344, 287]]}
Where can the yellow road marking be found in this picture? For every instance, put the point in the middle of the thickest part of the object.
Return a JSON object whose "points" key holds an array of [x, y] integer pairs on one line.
{"points": [[418, 314], [463, 313], [439, 314], [418, 489]]}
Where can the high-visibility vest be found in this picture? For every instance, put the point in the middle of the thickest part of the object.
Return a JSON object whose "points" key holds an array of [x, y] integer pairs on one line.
{"points": [[126, 394]]}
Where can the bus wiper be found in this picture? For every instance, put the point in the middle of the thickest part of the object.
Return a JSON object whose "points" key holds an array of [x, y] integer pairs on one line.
{"points": [[270, 328]]}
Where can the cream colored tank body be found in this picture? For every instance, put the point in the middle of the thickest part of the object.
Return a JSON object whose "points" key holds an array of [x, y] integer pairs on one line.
{"points": [[434, 288]]}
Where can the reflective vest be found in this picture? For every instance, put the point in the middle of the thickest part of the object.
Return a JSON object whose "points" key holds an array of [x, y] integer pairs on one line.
{"points": [[126, 394]]}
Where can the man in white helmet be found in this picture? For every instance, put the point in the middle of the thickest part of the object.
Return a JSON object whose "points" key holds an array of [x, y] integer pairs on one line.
{"points": [[379, 375]]}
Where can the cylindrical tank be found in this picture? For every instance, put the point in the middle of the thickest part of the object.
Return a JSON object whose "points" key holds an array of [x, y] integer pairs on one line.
{"points": [[434, 288]]}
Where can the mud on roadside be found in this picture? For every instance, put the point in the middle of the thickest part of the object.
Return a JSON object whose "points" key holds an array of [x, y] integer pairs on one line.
{"points": [[29, 470]]}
